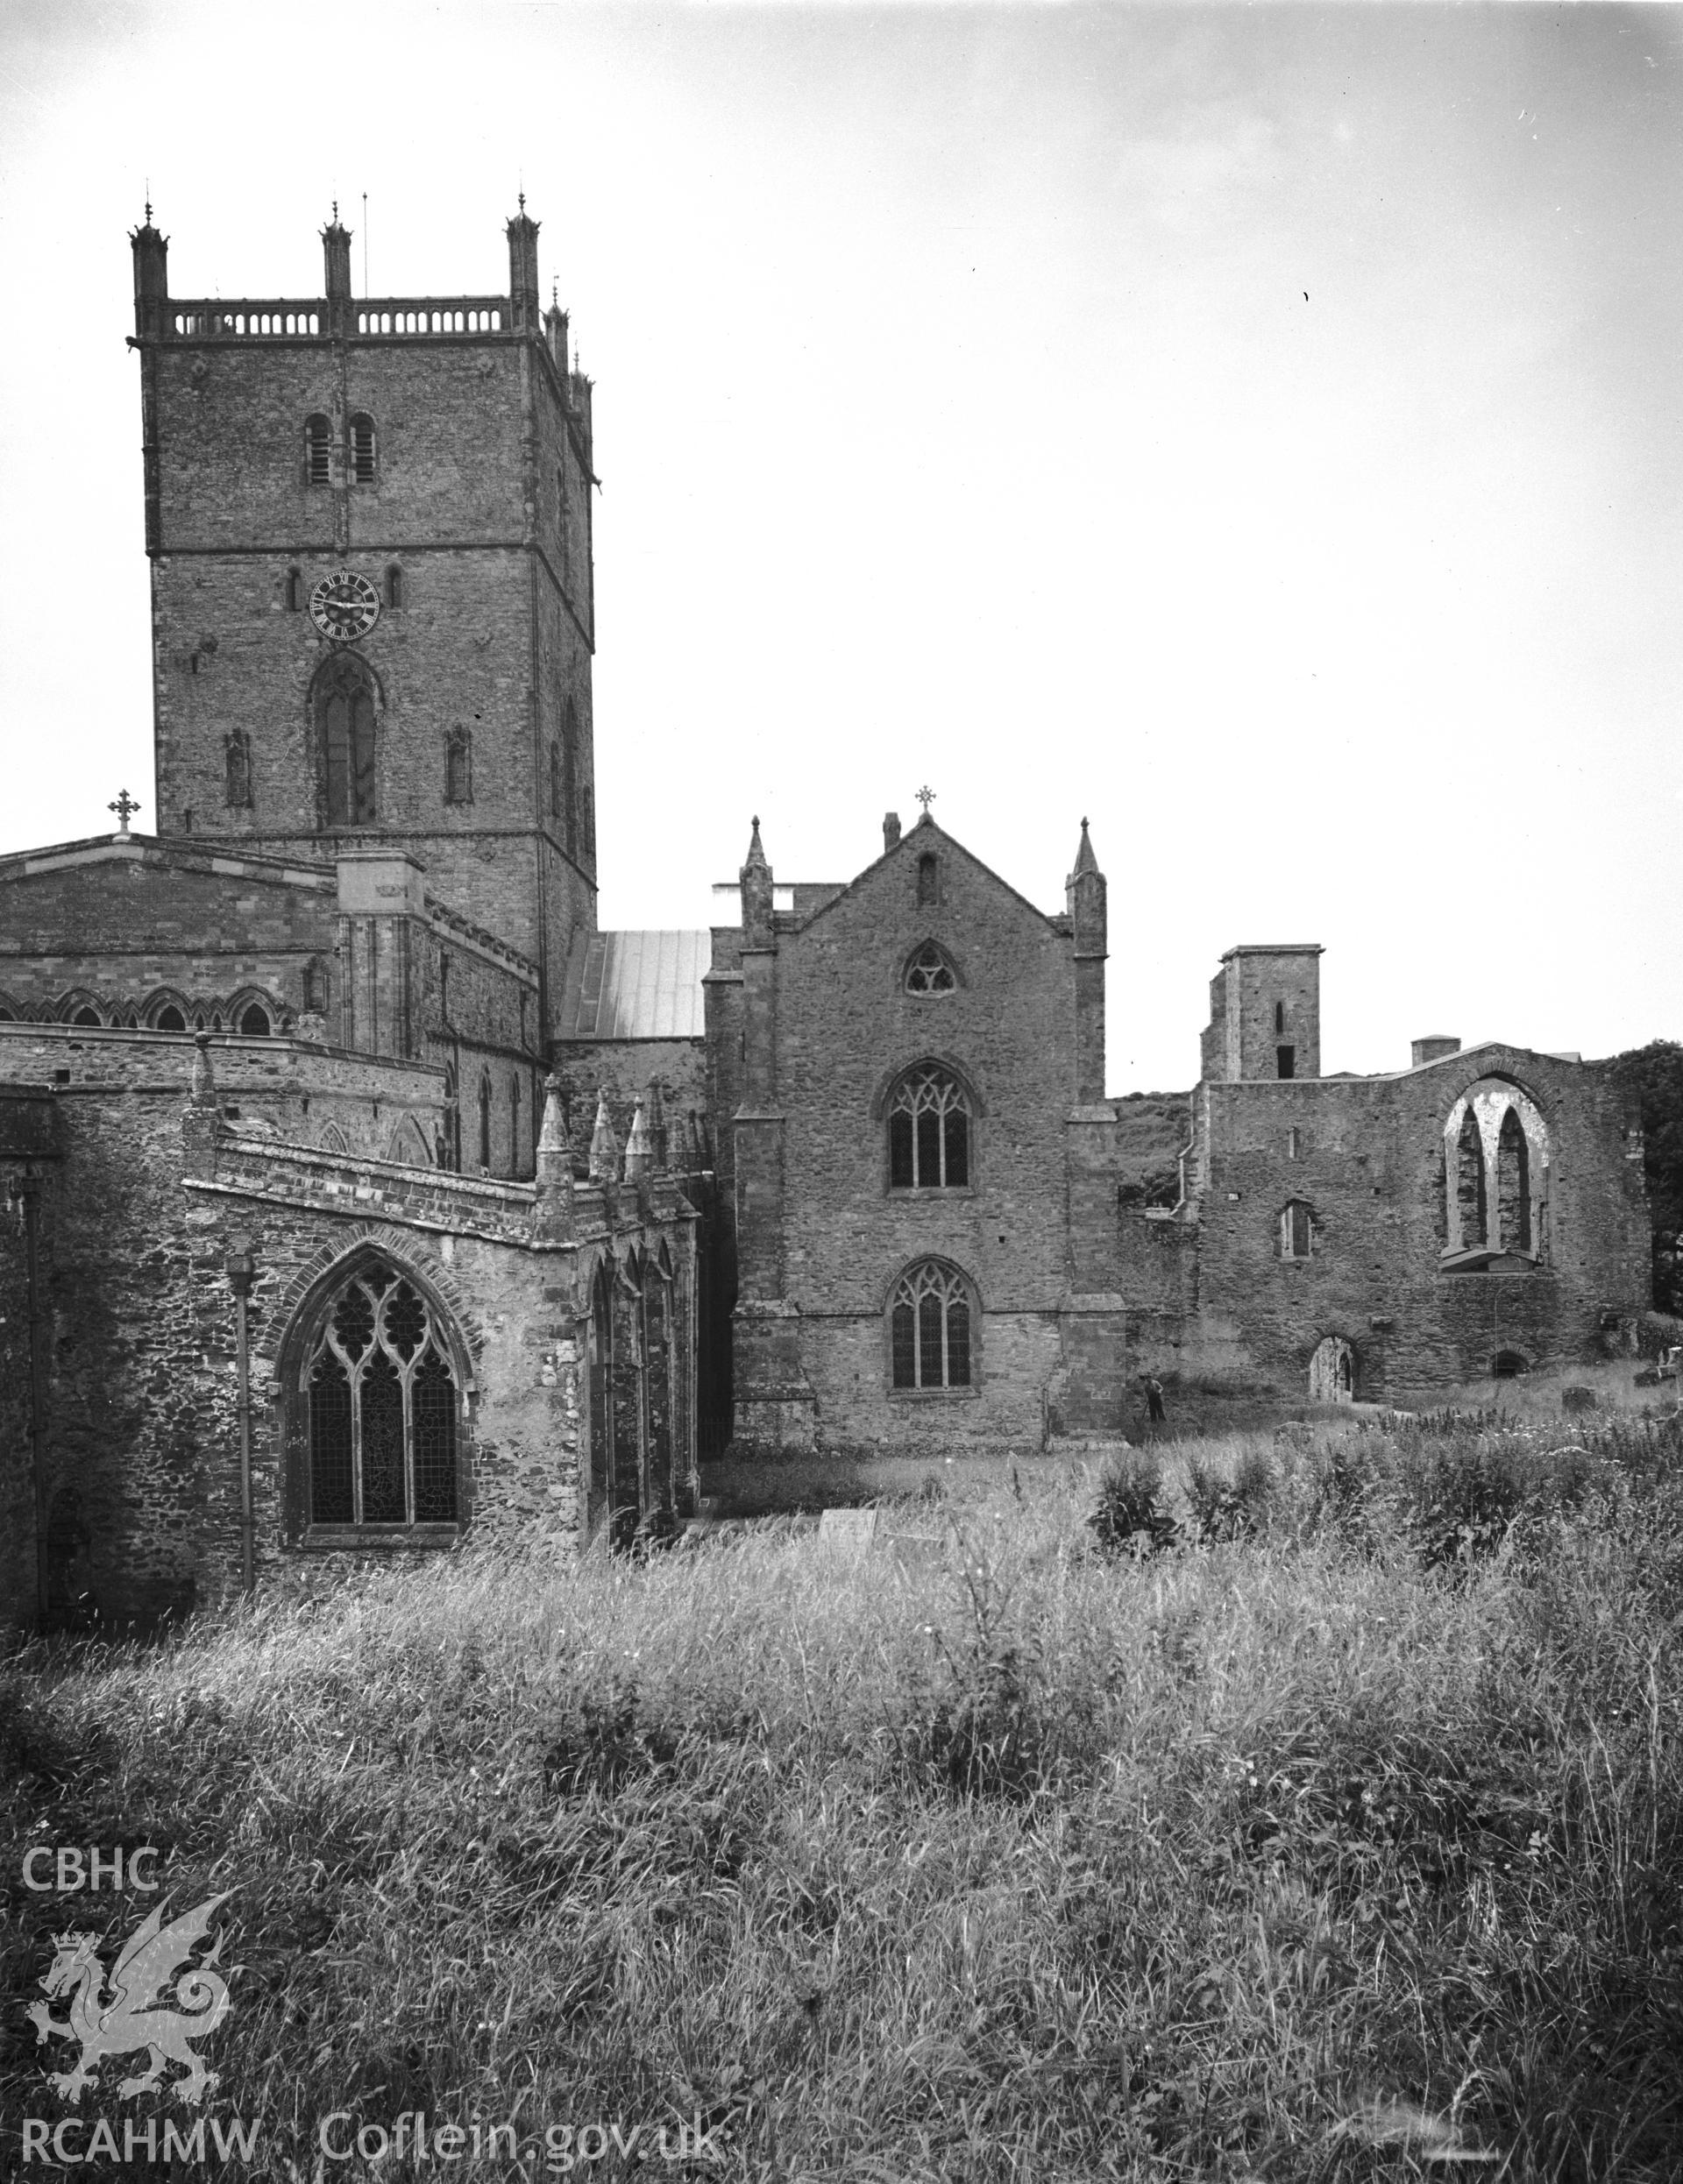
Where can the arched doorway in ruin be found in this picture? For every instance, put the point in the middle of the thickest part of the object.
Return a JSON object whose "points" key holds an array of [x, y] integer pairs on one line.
{"points": [[1333, 1371]]}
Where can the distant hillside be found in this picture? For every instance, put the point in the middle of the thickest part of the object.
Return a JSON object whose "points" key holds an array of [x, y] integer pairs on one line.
{"points": [[1652, 1075]]}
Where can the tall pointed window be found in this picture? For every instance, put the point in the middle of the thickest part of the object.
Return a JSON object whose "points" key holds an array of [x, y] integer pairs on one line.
{"points": [[318, 446], [929, 1328], [1296, 1230], [569, 777], [928, 877], [382, 1402], [459, 766], [1513, 1185], [1470, 1191], [237, 767], [929, 1132], [344, 722], [362, 450], [556, 802], [484, 1123]]}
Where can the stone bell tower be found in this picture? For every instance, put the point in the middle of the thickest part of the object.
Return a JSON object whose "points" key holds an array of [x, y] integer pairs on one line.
{"points": [[369, 525]]}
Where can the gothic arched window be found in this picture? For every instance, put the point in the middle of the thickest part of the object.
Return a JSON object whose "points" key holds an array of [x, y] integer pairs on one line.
{"points": [[1513, 1185], [570, 775], [295, 591], [382, 1402], [1469, 1182], [928, 877], [318, 446], [459, 766], [929, 1131], [452, 1117], [344, 723], [254, 1023], [362, 448], [930, 1315], [514, 1121], [930, 971], [394, 586], [236, 763]]}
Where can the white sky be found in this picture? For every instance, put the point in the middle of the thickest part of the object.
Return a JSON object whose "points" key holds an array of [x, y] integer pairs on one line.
{"points": [[1259, 429]]}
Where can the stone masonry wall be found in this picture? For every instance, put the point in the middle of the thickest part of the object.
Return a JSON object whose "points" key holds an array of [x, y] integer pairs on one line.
{"points": [[1370, 1164], [845, 1029], [154, 1193]]}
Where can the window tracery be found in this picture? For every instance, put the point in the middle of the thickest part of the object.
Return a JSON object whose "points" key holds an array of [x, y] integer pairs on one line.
{"points": [[929, 1131], [930, 971], [382, 1404], [929, 1328]]}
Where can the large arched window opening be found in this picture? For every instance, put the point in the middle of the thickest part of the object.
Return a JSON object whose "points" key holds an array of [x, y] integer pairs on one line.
{"points": [[382, 1400], [930, 1319], [1496, 1161], [344, 727], [1513, 1185], [929, 1131], [1469, 1183]]}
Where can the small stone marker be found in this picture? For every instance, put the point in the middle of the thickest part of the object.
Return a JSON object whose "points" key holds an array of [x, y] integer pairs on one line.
{"points": [[848, 1531]]}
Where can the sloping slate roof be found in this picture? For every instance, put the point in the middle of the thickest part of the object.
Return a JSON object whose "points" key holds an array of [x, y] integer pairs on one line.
{"points": [[635, 985]]}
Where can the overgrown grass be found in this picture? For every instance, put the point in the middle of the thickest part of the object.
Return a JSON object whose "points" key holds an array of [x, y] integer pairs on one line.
{"points": [[1332, 1840]]}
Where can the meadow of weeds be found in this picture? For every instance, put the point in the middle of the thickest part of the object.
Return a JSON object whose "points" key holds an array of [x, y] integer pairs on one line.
{"points": [[1316, 1812]]}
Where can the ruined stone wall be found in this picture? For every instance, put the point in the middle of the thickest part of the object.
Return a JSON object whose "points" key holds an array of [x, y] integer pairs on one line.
{"points": [[1369, 1163]]}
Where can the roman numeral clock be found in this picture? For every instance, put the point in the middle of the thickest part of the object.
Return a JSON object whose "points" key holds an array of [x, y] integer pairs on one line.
{"points": [[343, 607]]}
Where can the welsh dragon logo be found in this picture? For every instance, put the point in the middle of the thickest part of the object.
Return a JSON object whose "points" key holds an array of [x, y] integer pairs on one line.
{"points": [[125, 2020]]}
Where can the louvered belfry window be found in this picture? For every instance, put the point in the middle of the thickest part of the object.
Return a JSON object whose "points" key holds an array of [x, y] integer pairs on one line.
{"points": [[382, 1409]]}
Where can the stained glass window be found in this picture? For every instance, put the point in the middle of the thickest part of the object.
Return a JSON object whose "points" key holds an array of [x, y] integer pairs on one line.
{"points": [[929, 1132], [929, 1328], [382, 1409]]}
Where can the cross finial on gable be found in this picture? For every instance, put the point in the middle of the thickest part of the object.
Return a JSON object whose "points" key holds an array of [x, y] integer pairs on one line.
{"points": [[925, 796], [124, 806]]}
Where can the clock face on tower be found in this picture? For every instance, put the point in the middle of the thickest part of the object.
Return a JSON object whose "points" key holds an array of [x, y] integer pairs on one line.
{"points": [[345, 606]]}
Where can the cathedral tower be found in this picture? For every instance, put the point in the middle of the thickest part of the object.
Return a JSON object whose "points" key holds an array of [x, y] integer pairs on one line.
{"points": [[369, 525]]}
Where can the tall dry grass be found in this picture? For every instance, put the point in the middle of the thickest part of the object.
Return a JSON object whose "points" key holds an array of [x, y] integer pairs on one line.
{"points": [[1308, 1852]]}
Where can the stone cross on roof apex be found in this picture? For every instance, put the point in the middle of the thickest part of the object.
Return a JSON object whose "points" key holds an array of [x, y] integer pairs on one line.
{"points": [[124, 806]]}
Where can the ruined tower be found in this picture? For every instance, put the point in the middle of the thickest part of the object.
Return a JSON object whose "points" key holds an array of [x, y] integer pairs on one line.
{"points": [[369, 525]]}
